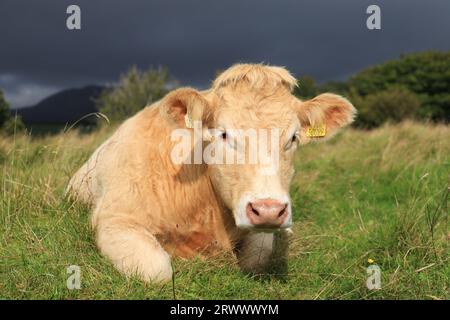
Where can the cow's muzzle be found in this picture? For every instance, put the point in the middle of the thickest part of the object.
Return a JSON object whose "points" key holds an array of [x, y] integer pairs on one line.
{"points": [[267, 213]]}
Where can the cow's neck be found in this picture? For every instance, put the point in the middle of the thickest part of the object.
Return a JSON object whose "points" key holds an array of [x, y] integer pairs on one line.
{"points": [[203, 225]]}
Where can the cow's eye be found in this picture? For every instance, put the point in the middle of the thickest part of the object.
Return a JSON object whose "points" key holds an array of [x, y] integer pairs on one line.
{"points": [[223, 135], [291, 142]]}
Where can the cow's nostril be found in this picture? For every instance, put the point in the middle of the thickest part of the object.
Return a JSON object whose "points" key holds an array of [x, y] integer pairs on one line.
{"points": [[282, 211], [254, 211]]}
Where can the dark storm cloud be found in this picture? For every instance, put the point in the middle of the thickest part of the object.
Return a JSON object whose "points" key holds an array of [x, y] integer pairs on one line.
{"points": [[194, 38]]}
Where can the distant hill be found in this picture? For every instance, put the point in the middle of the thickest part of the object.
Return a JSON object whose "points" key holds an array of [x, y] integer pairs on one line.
{"points": [[66, 106]]}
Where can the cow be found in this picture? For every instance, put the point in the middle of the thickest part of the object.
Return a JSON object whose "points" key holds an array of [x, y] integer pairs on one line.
{"points": [[147, 208]]}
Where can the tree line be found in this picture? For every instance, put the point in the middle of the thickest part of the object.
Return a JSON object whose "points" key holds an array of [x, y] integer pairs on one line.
{"points": [[414, 86]]}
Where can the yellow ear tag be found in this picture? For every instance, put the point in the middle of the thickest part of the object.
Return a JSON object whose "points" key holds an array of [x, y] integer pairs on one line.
{"points": [[188, 122], [318, 131]]}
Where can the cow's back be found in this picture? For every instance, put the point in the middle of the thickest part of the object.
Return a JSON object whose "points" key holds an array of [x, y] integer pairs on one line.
{"points": [[88, 183]]}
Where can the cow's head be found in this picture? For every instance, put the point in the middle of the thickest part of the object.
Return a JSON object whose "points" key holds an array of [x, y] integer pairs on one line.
{"points": [[243, 100]]}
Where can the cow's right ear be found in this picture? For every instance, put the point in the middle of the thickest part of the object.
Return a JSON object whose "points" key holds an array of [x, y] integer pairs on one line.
{"points": [[184, 106]]}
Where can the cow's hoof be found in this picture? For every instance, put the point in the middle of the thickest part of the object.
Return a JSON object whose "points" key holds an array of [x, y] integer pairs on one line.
{"points": [[154, 266], [157, 268]]}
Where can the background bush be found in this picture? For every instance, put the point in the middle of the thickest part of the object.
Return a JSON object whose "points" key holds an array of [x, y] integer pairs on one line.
{"points": [[136, 89], [393, 105], [8, 124], [4, 110], [306, 87], [427, 74]]}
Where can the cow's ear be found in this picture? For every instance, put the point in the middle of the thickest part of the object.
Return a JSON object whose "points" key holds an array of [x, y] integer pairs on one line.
{"points": [[323, 116], [184, 106]]}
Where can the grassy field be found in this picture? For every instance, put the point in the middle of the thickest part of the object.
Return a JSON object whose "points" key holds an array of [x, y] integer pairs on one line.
{"points": [[379, 195]]}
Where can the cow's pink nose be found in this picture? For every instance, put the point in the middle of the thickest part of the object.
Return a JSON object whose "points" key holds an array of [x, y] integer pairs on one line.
{"points": [[267, 213]]}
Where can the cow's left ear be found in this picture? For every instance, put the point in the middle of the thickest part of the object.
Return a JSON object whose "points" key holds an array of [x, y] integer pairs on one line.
{"points": [[323, 116], [184, 106]]}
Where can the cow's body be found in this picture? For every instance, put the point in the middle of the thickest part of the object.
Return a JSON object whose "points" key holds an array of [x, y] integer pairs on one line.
{"points": [[177, 202], [146, 208]]}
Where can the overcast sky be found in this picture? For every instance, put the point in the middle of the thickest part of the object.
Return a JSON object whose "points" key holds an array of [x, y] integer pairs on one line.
{"points": [[325, 39]]}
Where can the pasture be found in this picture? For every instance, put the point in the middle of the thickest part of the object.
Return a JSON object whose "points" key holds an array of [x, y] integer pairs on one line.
{"points": [[380, 195]]}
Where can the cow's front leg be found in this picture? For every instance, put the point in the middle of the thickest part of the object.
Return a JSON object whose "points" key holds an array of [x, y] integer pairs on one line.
{"points": [[263, 252], [255, 252], [133, 249]]}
